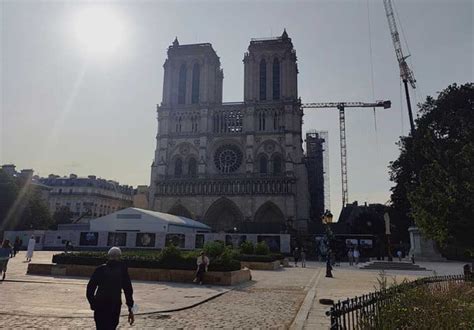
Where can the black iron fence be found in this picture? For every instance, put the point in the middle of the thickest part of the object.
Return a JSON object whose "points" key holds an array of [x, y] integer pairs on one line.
{"points": [[360, 312]]}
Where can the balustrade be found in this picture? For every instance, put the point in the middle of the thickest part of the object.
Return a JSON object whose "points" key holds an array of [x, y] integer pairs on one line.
{"points": [[241, 186]]}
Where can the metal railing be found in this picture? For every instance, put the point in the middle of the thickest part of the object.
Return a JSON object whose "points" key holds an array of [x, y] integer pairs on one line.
{"points": [[360, 312]]}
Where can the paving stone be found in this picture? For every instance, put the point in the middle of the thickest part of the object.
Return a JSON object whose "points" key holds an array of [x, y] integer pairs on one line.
{"points": [[270, 301]]}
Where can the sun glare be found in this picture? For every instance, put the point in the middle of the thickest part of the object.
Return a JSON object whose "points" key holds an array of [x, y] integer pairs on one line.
{"points": [[99, 30]]}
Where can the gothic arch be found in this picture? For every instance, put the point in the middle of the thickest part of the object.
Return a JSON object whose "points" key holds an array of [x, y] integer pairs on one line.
{"points": [[223, 215], [276, 79], [192, 166], [196, 82], [276, 164], [182, 84], [181, 211], [269, 218], [185, 150], [178, 167], [269, 212], [268, 146], [263, 79], [262, 164]]}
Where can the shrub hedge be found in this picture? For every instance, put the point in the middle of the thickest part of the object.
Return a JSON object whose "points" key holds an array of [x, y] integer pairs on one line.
{"points": [[257, 258], [247, 247], [223, 258], [169, 258], [262, 248]]}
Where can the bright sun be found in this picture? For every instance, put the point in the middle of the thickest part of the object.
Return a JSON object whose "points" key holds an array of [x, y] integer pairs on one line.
{"points": [[99, 30]]}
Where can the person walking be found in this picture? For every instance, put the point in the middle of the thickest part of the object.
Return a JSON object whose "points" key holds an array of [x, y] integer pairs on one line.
{"points": [[5, 255], [16, 246], [202, 264], [350, 256], [399, 255], [296, 256], [303, 258], [104, 291], [8, 245], [356, 256], [68, 247], [328, 264], [31, 248]]}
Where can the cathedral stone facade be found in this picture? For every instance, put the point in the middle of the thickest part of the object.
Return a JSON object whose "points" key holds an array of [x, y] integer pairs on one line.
{"points": [[234, 165]]}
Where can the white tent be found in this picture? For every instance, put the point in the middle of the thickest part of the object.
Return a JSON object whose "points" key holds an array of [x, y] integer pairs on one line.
{"points": [[135, 219]]}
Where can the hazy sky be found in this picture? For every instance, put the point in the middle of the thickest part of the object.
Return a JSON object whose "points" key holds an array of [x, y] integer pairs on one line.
{"points": [[71, 103]]}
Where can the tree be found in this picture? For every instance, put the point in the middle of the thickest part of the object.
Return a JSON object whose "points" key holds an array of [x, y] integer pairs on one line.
{"points": [[21, 205], [434, 174], [8, 194], [62, 215]]}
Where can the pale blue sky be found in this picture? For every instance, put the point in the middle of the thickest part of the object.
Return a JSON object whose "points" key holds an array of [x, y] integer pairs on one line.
{"points": [[64, 110]]}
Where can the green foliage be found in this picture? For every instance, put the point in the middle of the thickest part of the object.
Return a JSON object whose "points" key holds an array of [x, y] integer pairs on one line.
{"points": [[169, 253], [62, 215], [21, 205], [258, 258], [8, 194], [434, 180], [214, 249], [247, 247], [429, 307], [262, 249], [169, 258]]}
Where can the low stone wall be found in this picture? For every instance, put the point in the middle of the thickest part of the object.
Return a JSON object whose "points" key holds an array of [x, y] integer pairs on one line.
{"points": [[145, 274], [274, 265]]}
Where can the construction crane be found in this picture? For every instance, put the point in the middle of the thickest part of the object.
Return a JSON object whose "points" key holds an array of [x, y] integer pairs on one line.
{"points": [[406, 74], [341, 106]]}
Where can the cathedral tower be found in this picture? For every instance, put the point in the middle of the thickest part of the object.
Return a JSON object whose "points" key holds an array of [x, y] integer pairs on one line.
{"points": [[236, 165], [192, 75], [270, 70]]}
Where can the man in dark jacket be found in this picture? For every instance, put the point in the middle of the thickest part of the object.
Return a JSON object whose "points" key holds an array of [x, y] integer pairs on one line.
{"points": [[104, 291]]}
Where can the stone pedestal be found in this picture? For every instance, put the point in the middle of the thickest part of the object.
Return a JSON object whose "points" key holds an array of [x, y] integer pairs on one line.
{"points": [[423, 249]]}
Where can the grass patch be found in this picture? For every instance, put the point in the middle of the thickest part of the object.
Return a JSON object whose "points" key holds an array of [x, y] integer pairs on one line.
{"points": [[448, 305]]}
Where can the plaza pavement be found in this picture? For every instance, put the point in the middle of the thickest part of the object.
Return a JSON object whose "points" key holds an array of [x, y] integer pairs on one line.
{"points": [[350, 281], [272, 300]]}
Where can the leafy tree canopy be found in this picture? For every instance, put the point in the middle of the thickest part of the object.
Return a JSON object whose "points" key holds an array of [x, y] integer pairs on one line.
{"points": [[21, 205], [63, 215], [434, 174]]}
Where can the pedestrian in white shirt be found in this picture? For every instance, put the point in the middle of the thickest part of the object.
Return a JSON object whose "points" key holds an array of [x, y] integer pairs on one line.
{"points": [[202, 264], [31, 248], [350, 256], [356, 256]]}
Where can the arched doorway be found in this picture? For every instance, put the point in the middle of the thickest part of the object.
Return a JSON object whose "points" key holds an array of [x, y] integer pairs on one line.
{"points": [[181, 211], [268, 219], [223, 215]]}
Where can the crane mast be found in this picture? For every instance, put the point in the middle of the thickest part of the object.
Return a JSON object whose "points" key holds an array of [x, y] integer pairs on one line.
{"points": [[341, 106], [406, 74]]}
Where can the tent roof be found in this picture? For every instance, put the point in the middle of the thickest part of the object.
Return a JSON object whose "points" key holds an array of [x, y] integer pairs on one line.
{"points": [[160, 216]]}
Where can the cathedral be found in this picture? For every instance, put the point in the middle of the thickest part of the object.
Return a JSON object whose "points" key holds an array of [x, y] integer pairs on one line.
{"points": [[235, 166]]}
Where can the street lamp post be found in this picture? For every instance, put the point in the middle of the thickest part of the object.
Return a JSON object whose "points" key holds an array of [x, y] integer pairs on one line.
{"points": [[327, 219], [387, 233]]}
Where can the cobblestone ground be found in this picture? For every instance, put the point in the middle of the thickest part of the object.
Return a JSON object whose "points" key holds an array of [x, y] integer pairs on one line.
{"points": [[271, 301], [247, 308]]}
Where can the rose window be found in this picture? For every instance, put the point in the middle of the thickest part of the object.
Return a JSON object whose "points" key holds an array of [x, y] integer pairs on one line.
{"points": [[228, 158]]}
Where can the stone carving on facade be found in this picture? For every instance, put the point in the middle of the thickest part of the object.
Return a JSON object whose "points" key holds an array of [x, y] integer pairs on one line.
{"points": [[269, 147], [184, 149]]}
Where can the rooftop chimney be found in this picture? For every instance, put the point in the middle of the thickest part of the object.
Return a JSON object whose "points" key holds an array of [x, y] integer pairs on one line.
{"points": [[9, 169]]}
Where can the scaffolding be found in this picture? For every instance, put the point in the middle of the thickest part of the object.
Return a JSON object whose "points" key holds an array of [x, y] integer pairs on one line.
{"points": [[317, 162]]}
